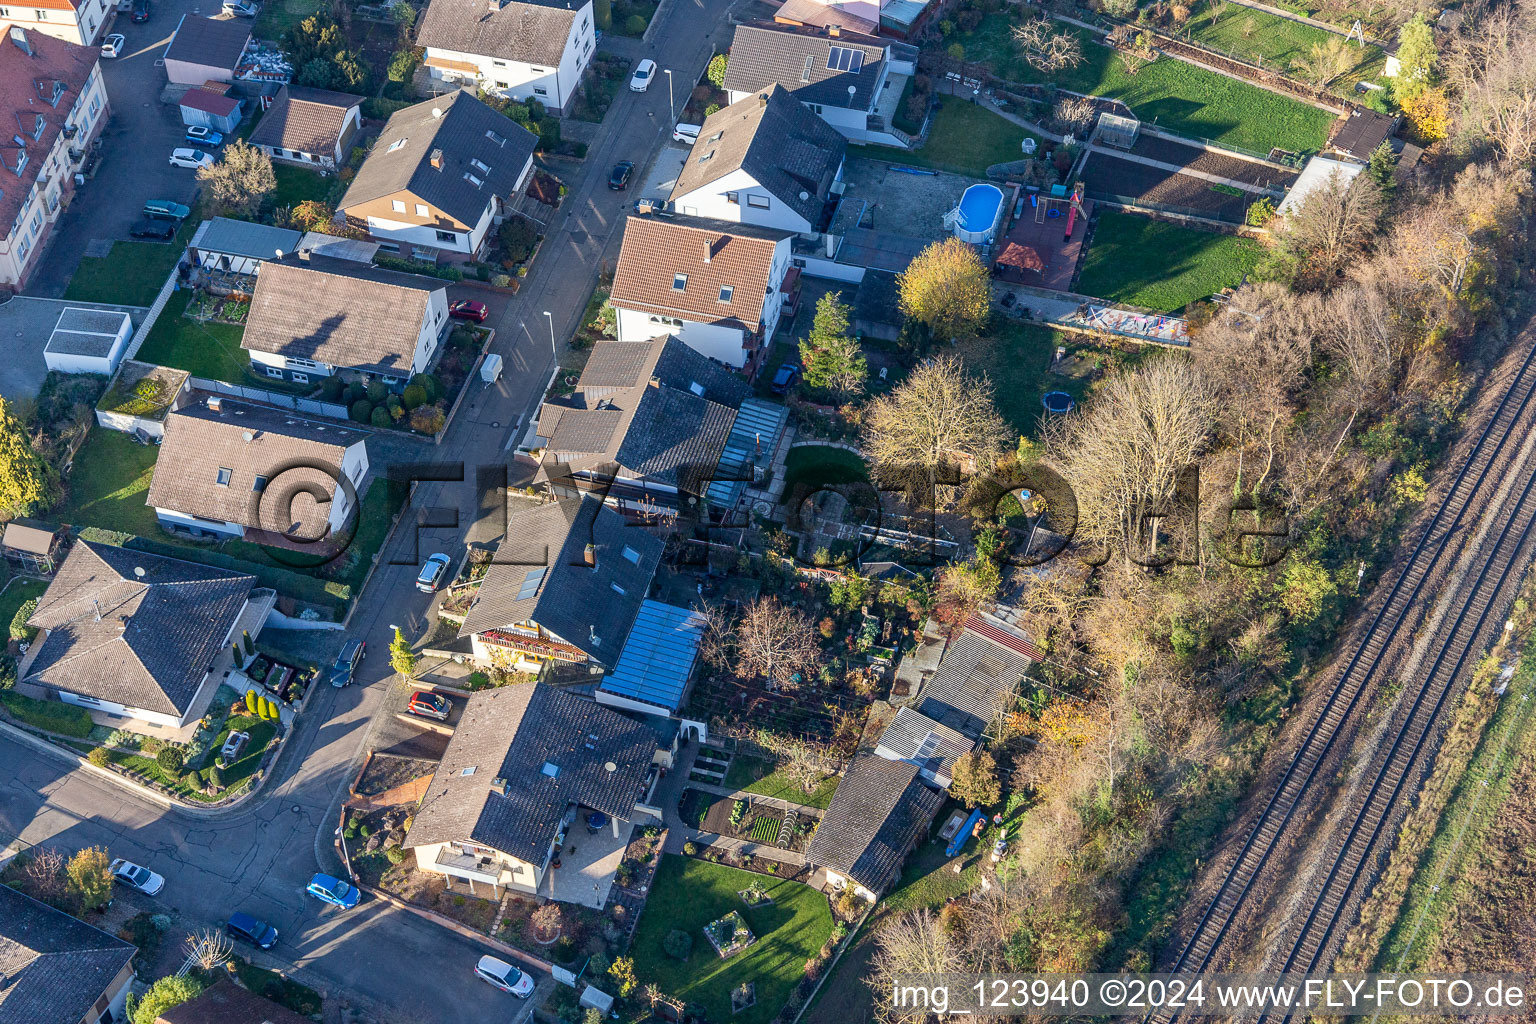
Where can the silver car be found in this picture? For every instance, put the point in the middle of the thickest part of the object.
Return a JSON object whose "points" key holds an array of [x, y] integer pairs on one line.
{"points": [[135, 877]]}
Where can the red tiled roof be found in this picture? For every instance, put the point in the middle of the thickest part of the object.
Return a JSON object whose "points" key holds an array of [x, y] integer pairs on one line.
{"points": [[723, 270], [210, 103], [26, 87]]}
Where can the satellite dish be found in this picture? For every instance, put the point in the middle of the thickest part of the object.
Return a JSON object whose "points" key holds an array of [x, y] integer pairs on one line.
{"points": [[610, 766], [138, 571], [249, 437], [804, 196]]}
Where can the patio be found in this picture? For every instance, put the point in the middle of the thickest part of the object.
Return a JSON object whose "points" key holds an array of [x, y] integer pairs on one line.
{"points": [[587, 863]]}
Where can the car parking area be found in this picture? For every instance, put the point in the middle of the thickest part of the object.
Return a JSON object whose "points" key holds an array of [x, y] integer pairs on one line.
{"points": [[663, 173]]}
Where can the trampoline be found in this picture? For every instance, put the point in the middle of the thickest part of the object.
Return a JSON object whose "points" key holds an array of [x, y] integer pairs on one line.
{"points": [[1057, 402]]}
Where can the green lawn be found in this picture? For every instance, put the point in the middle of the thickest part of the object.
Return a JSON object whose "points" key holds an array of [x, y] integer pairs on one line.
{"points": [[108, 483], [816, 465], [1017, 358], [686, 895], [134, 272], [927, 880], [279, 17], [964, 138], [1144, 262], [295, 185], [16, 594], [1257, 36], [1169, 92], [49, 715], [204, 350], [755, 776]]}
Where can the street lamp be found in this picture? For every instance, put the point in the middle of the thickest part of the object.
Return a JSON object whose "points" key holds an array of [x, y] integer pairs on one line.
{"points": [[670, 105], [551, 319]]}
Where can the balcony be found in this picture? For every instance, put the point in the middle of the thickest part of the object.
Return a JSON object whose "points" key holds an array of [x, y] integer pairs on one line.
{"points": [[538, 648], [467, 866]]}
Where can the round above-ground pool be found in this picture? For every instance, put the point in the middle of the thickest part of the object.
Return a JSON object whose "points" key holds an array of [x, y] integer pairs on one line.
{"points": [[980, 211]]}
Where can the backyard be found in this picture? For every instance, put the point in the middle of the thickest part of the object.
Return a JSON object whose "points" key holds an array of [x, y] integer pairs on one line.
{"points": [[1017, 357], [132, 274], [17, 593], [295, 185], [688, 894], [279, 17], [1260, 37], [965, 138], [107, 484], [754, 775], [1160, 266], [203, 349]]}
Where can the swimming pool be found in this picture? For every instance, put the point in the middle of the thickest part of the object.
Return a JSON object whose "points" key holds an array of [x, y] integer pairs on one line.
{"points": [[981, 208]]}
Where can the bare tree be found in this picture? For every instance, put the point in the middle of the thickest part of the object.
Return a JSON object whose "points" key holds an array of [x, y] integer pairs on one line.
{"points": [[939, 415], [1045, 48], [1074, 115], [774, 641], [805, 762], [547, 920], [1493, 67], [207, 949], [1324, 61], [45, 874], [914, 943], [1334, 224]]}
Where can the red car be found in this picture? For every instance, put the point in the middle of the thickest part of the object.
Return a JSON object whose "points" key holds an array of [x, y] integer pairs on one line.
{"points": [[429, 705], [466, 310]]}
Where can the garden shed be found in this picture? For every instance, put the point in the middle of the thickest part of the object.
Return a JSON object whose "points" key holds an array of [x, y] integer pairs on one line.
{"points": [[239, 246], [211, 110], [205, 49]]}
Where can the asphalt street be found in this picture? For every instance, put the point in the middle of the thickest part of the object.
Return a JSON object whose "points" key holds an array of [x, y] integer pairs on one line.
{"points": [[258, 856]]}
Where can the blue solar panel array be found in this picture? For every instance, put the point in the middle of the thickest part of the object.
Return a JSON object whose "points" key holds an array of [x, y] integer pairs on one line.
{"points": [[753, 437], [658, 657]]}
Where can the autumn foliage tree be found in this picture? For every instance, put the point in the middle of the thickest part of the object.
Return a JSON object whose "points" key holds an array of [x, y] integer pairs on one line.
{"points": [[770, 640], [89, 877], [28, 485], [239, 182], [948, 288], [974, 779], [941, 414]]}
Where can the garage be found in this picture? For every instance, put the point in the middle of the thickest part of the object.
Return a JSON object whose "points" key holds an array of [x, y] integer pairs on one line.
{"points": [[88, 341]]}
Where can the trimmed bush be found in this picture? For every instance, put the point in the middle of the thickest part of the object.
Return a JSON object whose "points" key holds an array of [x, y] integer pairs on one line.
{"points": [[253, 702], [361, 411], [331, 389], [212, 776], [170, 760], [99, 757], [430, 384], [635, 25], [394, 854], [691, 849], [356, 392], [678, 944], [380, 417], [413, 396], [377, 391], [20, 631]]}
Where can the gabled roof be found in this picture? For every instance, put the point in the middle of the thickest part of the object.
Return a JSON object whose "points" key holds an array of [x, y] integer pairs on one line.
{"points": [[465, 130], [244, 238], [877, 813], [134, 628], [29, 535], [539, 575], [683, 266], [338, 311], [216, 42], [54, 966], [976, 678], [243, 446], [825, 15], [553, 750], [1362, 131], [534, 33], [772, 136], [815, 65], [932, 746], [306, 120], [227, 1003], [27, 89], [659, 656]]}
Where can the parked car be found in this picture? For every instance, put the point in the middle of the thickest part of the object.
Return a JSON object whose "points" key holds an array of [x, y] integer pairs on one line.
{"points": [[201, 136], [135, 877], [193, 158], [787, 377], [112, 46], [645, 73], [239, 10], [464, 309], [504, 976], [164, 209], [246, 928], [352, 653], [429, 705], [432, 572], [149, 227], [333, 891], [688, 133], [618, 179], [140, 11]]}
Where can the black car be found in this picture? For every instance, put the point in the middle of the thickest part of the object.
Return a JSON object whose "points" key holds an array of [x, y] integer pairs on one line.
{"points": [[149, 227], [619, 179], [140, 11], [346, 662], [246, 928], [787, 377]]}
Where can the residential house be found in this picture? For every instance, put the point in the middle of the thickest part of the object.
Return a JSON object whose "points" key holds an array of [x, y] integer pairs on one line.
{"points": [[88, 341], [655, 671], [32, 546], [227, 469], [719, 288], [526, 766], [138, 636], [208, 108], [650, 423], [57, 969], [848, 15], [206, 49], [765, 160], [319, 316], [439, 175], [527, 51], [312, 127], [223, 245], [224, 1002], [850, 80], [75, 21], [57, 107], [878, 813], [565, 587]]}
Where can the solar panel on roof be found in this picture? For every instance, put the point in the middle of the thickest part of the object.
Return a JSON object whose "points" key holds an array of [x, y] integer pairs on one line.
{"points": [[530, 584], [841, 58]]}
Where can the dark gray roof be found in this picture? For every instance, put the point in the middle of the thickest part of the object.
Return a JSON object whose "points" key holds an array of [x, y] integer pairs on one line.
{"points": [[974, 683], [675, 438], [553, 749], [244, 238], [774, 138], [144, 641], [810, 62], [877, 814], [534, 33], [930, 745], [216, 42], [224, 1002], [876, 300], [462, 127], [338, 311], [53, 967], [542, 559]]}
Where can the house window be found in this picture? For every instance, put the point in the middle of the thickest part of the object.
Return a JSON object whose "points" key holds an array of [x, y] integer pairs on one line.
{"points": [[448, 236], [707, 157], [734, 198], [481, 167], [679, 282], [398, 205], [273, 371], [477, 182], [758, 202], [395, 145], [726, 291], [495, 138], [810, 65], [617, 589], [631, 555], [584, 22], [670, 321], [259, 484], [539, 90], [300, 378], [499, 63], [222, 479], [422, 211], [538, 71]]}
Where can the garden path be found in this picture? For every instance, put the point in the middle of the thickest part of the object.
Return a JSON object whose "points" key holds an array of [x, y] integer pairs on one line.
{"points": [[671, 789]]}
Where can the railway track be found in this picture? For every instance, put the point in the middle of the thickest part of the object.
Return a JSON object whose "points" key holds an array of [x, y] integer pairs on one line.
{"points": [[1374, 647]]}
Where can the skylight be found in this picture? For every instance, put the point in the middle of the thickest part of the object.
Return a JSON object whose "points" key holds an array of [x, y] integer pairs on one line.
{"points": [[810, 65], [483, 168], [491, 134], [530, 584], [726, 291], [223, 476], [396, 145], [477, 182], [468, 771], [551, 769], [697, 389], [259, 484], [630, 554], [841, 58], [679, 282]]}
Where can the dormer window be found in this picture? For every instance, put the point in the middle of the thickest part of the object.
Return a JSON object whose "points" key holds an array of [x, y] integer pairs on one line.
{"points": [[37, 127], [726, 291], [679, 282]]}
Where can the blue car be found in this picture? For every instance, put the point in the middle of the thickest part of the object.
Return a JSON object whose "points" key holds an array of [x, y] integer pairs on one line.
{"points": [[333, 891], [198, 135]]}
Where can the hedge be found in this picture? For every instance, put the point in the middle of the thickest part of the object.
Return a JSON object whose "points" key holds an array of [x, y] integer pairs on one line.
{"points": [[425, 269], [48, 715], [380, 109]]}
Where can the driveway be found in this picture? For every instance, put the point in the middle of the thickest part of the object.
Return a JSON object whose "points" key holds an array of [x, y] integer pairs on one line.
{"points": [[136, 145], [26, 324]]}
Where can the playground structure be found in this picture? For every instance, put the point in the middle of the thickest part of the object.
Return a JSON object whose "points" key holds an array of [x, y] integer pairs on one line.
{"points": [[1117, 130], [1169, 330]]}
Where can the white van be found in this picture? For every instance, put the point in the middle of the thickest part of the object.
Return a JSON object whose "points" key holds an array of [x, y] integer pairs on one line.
{"points": [[688, 133]]}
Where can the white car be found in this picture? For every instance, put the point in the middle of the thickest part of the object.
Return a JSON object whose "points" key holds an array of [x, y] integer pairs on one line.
{"points": [[112, 46], [504, 976], [239, 9], [645, 73], [135, 877], [685, 133], [190, 158]]}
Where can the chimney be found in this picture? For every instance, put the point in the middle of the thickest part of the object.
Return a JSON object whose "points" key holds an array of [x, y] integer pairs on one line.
{"points": [[589, 556], [19, 37], [835, 31], [215, 403], [762, 99], [437, 159], [709, 249], [499, 785], [304, 255]]}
